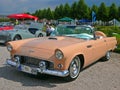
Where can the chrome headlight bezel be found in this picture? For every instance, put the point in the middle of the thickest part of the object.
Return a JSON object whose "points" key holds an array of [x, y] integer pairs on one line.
{"points": [[17, 60], [9, 47], [59, 54]]}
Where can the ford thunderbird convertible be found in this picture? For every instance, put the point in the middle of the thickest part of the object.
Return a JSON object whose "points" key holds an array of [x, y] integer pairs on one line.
{"points": [[22, 32], [63, 54]]}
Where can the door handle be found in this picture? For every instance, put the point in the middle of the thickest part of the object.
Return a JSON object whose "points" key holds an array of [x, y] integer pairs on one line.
{"points": [[89, 46]]}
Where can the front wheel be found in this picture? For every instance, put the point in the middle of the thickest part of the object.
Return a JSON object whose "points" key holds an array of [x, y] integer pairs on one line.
{"points": [[16, 38], [74, 69]]}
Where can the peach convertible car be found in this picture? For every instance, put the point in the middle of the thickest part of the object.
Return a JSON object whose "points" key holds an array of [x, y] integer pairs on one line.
{"points": [[64, 53]]}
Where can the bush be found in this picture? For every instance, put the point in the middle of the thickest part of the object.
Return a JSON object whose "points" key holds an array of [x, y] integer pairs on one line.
{"points": [[4, 20], [111, 31]]}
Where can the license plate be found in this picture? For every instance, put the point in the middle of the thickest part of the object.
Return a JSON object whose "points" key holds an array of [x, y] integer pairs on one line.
{"points": [[28, 69]]}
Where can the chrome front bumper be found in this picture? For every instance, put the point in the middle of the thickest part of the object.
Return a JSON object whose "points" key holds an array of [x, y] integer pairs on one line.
{"points": [[34, 71]]}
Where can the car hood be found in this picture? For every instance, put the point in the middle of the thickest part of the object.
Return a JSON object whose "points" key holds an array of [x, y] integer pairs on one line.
{"points": [[45, 47], [52, 42]]}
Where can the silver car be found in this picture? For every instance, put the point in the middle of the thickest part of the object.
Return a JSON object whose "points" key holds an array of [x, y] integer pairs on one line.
{"points": [[22, 32]]}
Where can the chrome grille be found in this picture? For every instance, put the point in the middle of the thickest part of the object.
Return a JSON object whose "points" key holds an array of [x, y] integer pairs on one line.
{"points": [[30, 61], [2, 37], [5, 38], [34, 62]]}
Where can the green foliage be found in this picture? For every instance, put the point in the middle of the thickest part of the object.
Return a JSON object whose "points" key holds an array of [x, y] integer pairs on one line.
{"points": [[74, 10], [80, 10], [67, 10], [94, 8], [59, 12], [102, 12], [118, 44], [111, 31], [118, 13], [113, 12], [49, 14], [4, 19]]}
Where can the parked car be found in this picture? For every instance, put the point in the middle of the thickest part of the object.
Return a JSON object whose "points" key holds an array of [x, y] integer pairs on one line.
{"points": [[22, 32], [63, 54], [6, 26]]}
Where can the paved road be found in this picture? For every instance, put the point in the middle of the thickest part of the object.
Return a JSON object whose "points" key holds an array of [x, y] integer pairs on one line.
{"points": [[100, 76]]}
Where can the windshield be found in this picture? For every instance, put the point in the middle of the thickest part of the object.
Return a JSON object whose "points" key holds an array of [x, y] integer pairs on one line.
{"points": [[82, 32]]}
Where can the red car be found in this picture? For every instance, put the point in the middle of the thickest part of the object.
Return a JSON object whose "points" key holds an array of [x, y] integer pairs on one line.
{"points": [[6, 26]]}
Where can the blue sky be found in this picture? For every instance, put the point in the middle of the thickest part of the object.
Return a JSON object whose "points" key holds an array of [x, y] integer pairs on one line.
{"points": [[19, 6]]}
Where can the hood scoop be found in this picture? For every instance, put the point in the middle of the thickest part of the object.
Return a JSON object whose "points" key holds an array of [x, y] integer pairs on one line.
{"points": [[56, 38], [52, 38]]}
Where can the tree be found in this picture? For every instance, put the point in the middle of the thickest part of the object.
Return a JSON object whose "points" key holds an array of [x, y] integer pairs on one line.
{"points": [[67, 10], [44, 13], [80, 10], [58, 12], [74, 10], [94, 8], [119, 13], [102, 12], [83, 10], [49, 14], [38, 14], [113, 12]]}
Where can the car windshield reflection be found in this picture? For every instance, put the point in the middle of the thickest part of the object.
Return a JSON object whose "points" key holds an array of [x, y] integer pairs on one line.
{"points": [[82, 32]]}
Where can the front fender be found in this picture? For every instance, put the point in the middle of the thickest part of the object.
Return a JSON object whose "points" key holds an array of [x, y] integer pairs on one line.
{"points": [[13, 35], [68, 56], [69, 59]]}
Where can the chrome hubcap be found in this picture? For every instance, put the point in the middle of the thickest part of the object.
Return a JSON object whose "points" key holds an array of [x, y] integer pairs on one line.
{"points": [[108, 55], [75, 67]]}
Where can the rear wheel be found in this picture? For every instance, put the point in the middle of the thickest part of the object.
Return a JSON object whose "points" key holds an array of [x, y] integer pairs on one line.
{"points": [[40, 35], [17, 38], [74, 69], [106, 57]]}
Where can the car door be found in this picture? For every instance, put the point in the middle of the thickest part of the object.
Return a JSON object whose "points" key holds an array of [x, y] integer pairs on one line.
{"points": [[89, 53], [94, 50], [100, 48], [26, 34]]}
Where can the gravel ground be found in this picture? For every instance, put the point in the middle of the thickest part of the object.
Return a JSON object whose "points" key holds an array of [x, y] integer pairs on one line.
{"points": [[99, 76]]}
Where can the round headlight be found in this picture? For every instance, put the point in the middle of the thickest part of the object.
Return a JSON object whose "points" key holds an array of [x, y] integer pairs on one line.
{"points": [[17, 59], [59, 55], [9, 47]]}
